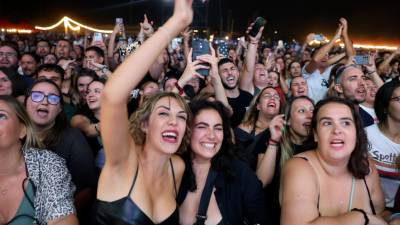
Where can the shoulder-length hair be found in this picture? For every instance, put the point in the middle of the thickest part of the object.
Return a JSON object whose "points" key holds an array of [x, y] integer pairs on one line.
{"points": [[221, 161], [251, 116], [52, 136], [358, 163], [142, 116], [31, 140], [287, 147]]}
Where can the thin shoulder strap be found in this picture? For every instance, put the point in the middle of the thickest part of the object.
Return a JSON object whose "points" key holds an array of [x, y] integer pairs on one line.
{"points": [[371, 204], [312, 167], [173, 176], [134, 180]]}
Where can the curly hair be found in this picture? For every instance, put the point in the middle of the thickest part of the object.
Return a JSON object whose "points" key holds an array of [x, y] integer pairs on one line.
{"points": [[142, 116]]}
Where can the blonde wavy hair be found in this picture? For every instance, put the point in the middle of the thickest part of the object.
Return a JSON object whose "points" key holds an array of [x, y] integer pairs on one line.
{"points": [[142, 116]]}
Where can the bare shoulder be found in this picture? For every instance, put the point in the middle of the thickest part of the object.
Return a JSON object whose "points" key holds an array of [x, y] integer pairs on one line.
{"points": [[179, 165]]}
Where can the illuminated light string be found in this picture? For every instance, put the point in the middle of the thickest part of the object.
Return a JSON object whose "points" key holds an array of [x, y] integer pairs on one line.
{"points": [[382, 47], [68, 25]]}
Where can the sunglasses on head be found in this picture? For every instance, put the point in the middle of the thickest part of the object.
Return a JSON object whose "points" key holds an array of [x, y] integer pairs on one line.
{"points": [[38, 96]]}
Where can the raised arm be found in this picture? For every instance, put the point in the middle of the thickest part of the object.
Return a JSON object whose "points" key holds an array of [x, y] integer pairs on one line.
{"points": [[246, 78], [372, 71], [350, 52], [111, 43], [116, 138], [385, 64], [323, 51], [266, 162]]}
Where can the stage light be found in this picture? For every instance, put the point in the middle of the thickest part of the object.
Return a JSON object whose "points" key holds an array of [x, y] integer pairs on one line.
{"points": [[68, 24]]}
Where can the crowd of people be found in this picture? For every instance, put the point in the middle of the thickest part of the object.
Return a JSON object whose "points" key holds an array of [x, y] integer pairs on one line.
{"points": [[146, 131]]}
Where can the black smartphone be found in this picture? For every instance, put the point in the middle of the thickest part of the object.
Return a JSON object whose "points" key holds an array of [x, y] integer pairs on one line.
{"points": [[256, 26], [200, 47]]}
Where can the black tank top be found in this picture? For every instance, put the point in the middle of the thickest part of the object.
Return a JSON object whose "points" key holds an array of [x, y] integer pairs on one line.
{"points": [[125, 212]]}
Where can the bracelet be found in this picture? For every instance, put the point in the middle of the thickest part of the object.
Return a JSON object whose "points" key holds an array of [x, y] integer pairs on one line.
{"points": [[366, 220], [369, 73], [273, 142], [180, 89]]}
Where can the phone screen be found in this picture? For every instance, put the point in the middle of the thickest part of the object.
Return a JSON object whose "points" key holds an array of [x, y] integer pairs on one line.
{"points": [[200, 47], [361, 59], [223, 49], [98, 37]]}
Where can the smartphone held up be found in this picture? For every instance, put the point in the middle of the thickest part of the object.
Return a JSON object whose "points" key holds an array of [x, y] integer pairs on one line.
{"points": [[200, 47], [260, 22]]}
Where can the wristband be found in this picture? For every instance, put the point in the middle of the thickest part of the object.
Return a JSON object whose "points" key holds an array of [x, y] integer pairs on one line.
{"points": [[369, 73], [366, 220], [180, 89], [273, 142]]}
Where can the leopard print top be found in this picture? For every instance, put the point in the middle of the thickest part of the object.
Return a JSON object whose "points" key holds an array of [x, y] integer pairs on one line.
{"points": [[53, 188]]}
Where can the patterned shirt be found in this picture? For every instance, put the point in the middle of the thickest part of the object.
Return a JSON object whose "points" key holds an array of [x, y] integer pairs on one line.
{"points": [[53, 188]]}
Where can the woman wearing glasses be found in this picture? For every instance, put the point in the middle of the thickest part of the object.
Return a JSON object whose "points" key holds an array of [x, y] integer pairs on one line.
{"points": [[264, 107], [35, 186], [384, 139], [43, 103]]}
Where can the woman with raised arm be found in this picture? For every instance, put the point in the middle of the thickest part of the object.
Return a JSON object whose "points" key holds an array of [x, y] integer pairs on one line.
{"points": [[140, 177], [335, 183]]}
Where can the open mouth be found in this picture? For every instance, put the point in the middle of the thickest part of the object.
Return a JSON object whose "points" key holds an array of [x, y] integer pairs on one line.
{"points": [[307, 125], [170, 136], [337, 143], [42, 112]]}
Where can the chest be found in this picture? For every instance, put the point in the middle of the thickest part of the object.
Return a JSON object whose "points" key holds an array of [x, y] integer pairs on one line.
{"points": [[190, 206], [11, 195], [338, 197]]}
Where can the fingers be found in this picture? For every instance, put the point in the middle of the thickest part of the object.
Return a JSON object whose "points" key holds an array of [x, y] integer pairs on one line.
{"points": [[145, 19]]}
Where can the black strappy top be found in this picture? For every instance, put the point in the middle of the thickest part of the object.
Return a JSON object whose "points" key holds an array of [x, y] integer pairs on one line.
{"points": [[125, 212]]}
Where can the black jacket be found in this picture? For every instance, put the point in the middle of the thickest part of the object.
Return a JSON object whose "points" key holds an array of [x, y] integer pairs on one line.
{"points": [[239, 198]]}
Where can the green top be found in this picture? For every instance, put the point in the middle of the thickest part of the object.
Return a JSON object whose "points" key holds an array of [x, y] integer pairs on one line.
{"points": [[26, 213]]}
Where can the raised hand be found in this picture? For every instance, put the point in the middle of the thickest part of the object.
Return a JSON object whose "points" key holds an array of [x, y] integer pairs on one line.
{"points": [[344, 24], [186, 33], [146, 26], [191, 69], [338, 33], [309, 38], [257, 37], [276, 127], [183, 12]]}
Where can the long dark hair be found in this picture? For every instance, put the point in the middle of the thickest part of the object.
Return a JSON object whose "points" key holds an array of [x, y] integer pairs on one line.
{"points": [[53, 136], [358, 164], [221, 161]]}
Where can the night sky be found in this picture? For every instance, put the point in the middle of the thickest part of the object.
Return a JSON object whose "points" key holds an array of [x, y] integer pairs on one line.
{"points": [[369, 21]]}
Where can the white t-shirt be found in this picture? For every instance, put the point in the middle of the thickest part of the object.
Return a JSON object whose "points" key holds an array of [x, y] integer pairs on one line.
{"points": [[317, 83], [371, 112], [386, 154]]}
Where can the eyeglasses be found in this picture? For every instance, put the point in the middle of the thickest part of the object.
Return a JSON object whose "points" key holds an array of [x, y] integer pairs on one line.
{"points": [[271, 96], [7, 54], [38, 96], [397, 99]]}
